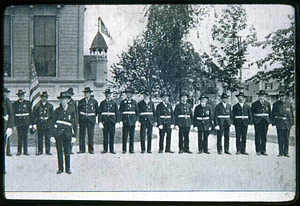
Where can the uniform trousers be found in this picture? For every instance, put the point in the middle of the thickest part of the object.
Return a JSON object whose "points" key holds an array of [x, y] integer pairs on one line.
{"points": [[261, 130], [63, 147], [41, 133], [108, 131], [5, 137], [241, 135], [283, 141], [165, 130], [149, 127], [83, 126], [184, 138], [7, 145], [203, 140], [128, 129], [22, 139], [224, 130]]}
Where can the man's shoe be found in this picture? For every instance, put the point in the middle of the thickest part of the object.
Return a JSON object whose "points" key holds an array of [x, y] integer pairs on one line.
{"points": [[18, 154], [59, 171], [286, 155], [189, 152], [143, 152], [238, 152], [113, 152], [258, 153], [160, 151], [8, 154], [280, 155], [103, 152], [180, 152], [80, 152], [228, 153], [132, 152], [244, 153], [264, 154], [91, 152], [39, 153], [207, 152], [72, 153], [149, 152], [219, 152], [69, 172], [124, 152], [26, 154], [169, 151], [199, 152], [49, 153]]}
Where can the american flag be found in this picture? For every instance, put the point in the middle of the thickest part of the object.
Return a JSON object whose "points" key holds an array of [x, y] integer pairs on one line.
{"points": [[34, 83], [103, 28]]}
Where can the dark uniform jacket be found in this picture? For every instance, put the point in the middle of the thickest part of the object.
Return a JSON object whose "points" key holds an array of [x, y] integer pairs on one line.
{"points": [[164, 114], [129, 111], [147, 112], [22, 111], [42, 114], [283, 115], [261, 111], [64, 121], [203, 116], [241, 115], [108, 112], [183, 115], [222, 114], [87, 110], [8, 114]]}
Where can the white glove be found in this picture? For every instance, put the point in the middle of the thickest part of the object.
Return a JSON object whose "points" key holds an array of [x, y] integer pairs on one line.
{"points": [[172, 126], [55, 126], [73, 140], [177, 127], [6, 117], [34, 126], [217, 127], [192, 127], [101, 126], [231, 127], [155, 124], [209, 128], [160, 126], [196, 129], [30, 126], [118, 125], [8, 132], [52, 139], [121, 124]]}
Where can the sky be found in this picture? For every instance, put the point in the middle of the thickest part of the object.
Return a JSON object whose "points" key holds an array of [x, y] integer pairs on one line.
{"points": [[126, 22]]}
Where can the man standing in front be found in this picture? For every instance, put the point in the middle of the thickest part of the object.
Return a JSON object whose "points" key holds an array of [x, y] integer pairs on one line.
{"points": [[203, 120], [222, 119], [261, 112], [108, 116], [283, 118], [87, 109], [65, 127], [22, 111], [8, 116], [147, 119], [129, 116], [165, 122], [42, 117], [242, 117], [183, 119], [72, 103]]}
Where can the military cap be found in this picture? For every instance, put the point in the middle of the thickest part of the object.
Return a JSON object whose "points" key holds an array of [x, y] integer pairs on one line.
{"points": [[262, 92], [203, 96], [224, 96], [184, 93], [44, 94], [87, 89], [240, 94], [70, 91], [20, 92], [63, 95], [107, 91]]}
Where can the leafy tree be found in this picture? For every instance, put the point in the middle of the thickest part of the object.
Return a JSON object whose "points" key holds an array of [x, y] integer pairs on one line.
{"points": [[229, 50], [282, 44]]}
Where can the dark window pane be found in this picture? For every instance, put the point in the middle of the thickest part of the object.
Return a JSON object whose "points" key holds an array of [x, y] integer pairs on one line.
{"points": [[49, 31], [39, 30], [50, 61], [6, 48]]}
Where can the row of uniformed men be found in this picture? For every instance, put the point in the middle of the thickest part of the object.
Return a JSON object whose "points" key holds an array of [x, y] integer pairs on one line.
{"points": [[65, 120]]}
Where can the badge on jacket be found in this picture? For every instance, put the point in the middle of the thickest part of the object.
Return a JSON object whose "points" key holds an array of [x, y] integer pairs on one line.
{"points": [[207, 112]]}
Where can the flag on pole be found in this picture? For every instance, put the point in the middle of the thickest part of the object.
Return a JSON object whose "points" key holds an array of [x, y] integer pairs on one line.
{"points": [[103, 28], [34, 93]]}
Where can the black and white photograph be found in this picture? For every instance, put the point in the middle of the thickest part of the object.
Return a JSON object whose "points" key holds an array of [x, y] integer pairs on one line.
{"points": [[149, 102]]}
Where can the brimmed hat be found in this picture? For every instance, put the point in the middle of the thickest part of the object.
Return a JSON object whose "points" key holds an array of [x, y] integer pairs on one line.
{"points": [[20, 92], [184, 93], [63, 95], [44, 94], [282, 93], [5, 90], [224, 96], [87, 89], [107, 91], [127, 90], [240, 94], [203, 97], [262, 92], [70, 91]]}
